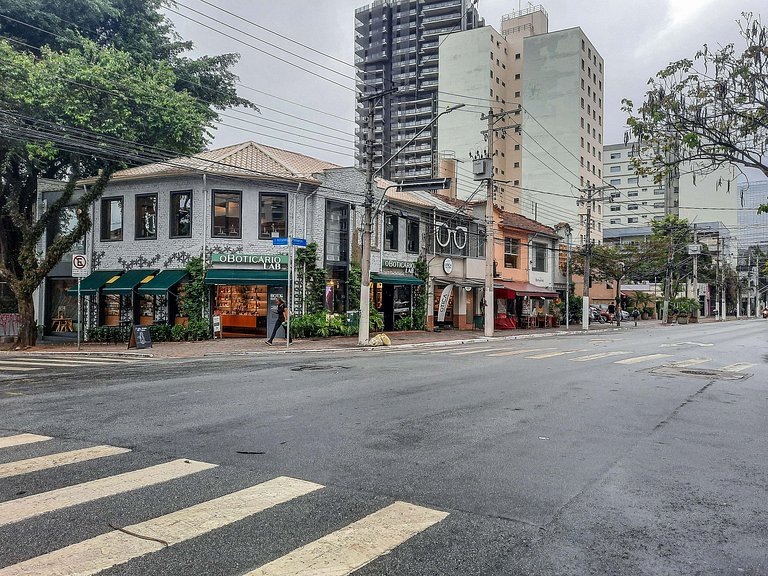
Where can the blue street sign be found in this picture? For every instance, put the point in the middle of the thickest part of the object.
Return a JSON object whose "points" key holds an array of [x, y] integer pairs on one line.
{"points": [[299, 241], [279, 241]]}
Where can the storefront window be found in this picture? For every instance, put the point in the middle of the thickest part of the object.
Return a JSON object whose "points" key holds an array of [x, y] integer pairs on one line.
{"points": [[111, 219], [539, 259], [511, 253], [227, 209], [64, 225], [181, 214], [146, 217], [273, 215], [243, 309], [62, 307], [336, 233], [391, 225], [412, 236]]}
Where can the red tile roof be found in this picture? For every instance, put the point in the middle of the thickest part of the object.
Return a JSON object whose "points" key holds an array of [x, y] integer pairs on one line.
{"points": [[511, 220]]}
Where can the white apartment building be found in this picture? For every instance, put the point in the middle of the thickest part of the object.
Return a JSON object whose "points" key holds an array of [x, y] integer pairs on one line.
{"points": [[694, 194], [552, 85]]}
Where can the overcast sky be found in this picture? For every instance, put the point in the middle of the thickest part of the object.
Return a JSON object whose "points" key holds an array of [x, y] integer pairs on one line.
{"points": [[636, 39]]}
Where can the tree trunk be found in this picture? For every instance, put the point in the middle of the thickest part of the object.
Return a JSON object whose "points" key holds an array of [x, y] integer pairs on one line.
{"points": [[27, 324]]}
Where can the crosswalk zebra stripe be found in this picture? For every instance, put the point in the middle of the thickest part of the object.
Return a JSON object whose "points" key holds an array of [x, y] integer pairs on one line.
{"points": [[445, 350], [59, 459], [638, 359], [478, 351], [119, 546], [553, 354], [515, 352], [689, 362], [20, 439], [37, 504], [39, 364], [68, 360], [597, 356], [738, 367], [17, 369], [352, 547]]}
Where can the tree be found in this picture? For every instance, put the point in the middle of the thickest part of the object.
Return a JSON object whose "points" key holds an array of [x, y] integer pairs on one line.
{"points": [[44, 101], [711, 110]]}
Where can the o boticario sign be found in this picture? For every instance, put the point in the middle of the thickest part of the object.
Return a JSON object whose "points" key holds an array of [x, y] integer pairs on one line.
{"points": [[409, 267], [257, 261]]}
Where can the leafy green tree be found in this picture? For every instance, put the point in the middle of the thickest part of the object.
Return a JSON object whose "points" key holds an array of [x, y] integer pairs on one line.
{"points": [[711, 110], [44, 100], [313, 277]]}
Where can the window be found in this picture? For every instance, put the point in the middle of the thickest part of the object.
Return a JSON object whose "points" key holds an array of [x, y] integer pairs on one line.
{"points": [[66, 224], [517, 56], [511, 253], [181, 214], [615, 220], [658, 204], [336, 233], [517, 94], [412, 236], [658, 191], [517, 146], [517, 76], [615, 208], [146, 217], [632, 181], [273, 215], [112, 219], [632, 193], [226, 214], [632, 207], [539, 258], [391, 225], [517, 164], [615, 155], [632, 220]]}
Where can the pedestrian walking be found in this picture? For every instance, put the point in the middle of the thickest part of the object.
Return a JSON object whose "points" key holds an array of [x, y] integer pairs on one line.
{"points": [[635, 314], [282, 318]]}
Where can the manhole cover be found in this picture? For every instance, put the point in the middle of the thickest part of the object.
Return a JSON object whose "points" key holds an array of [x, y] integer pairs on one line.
{"points": [[318, 368], [699, 373]]}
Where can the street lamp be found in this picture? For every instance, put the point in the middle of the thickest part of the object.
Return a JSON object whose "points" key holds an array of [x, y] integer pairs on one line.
{"points": [[365, 273]]}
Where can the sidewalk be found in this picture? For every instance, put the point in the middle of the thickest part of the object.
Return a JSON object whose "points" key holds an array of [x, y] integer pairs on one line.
{"points": [[231, 346]]}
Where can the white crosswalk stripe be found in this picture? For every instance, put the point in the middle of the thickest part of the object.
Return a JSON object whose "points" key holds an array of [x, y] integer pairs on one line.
{"points": [[553, 354], [598, 356], [37, 504], [344, 551], [638, 359], [17, 369], [33, 363], [476, 351], [21, 439], [119, 546], [338, 553], [689, 362], [738, 367], [60, 459], [517, 352]]}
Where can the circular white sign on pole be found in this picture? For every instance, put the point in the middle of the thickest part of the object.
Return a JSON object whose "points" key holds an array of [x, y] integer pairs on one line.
{"points": [[79, 265]]}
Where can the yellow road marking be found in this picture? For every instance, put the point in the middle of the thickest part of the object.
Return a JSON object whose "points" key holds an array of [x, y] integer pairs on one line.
{"points": [[60, 459], [597, 356], [117, 547], [37, 504], [19, 439], [638, 359], [352, 547]]}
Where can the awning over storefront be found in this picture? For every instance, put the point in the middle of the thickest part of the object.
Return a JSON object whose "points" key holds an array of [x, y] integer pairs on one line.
{"points": [[160, 284], [399, 280], [91, 284], [128, 281], [237, 277], [524, 289]]}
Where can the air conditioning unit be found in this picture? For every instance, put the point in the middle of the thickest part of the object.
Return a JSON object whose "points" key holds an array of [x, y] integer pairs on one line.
{"points": [[482, 168]]}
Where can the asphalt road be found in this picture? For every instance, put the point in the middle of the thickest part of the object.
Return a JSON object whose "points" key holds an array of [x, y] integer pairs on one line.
{"points": [[639, 451]]}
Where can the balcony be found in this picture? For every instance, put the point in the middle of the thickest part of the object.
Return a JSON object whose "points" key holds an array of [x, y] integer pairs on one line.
{"points": [[428, 73], [428, 84], [429, 47], [434, 32], [441, 7], [451, 18]]}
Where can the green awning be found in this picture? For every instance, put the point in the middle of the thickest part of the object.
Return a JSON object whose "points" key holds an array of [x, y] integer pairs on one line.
{"points": [[91, 284], [400, 280], [238, 276], [163, 282], [127, 282]]}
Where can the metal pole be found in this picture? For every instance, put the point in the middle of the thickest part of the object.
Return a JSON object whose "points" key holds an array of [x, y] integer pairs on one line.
{"points": [[490, 303], [289, 296], [696, 274], [79, 314], [587, 254], [568, 281], [668, 286]]}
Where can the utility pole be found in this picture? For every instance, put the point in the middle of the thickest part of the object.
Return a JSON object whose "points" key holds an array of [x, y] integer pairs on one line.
{"points": [[593, 195], [668, 284], [568, 279], [490, 302], [724, 314], [696, 274], [365, 266]]}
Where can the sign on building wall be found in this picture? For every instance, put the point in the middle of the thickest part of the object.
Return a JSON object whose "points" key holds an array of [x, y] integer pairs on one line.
{"points": [[445, 297], [409, 267], [259, 261]]}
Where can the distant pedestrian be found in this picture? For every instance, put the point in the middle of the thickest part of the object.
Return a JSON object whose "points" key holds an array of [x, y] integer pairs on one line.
{"points": [[635, 314], [282, 317]]}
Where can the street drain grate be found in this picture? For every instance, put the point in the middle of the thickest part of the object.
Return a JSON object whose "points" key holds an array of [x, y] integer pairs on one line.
{"points": [[317, 368], [708, 374]]}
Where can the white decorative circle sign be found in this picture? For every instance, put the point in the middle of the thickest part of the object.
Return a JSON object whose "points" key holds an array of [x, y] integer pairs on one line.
{"points": [[447, 265]]}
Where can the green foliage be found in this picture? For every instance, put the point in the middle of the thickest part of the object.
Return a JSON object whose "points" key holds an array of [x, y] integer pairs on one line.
{"points": [[710, 109], [321, 325], [312, 276], [194, 301], [353, 287], [375, 321], [404, 323], [421, 271], [159, 333]]}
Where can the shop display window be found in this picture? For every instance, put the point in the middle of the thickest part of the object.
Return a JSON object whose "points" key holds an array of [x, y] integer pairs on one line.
{"points": [[146, 310], [242, 308], [111, 219], [227, 210], [146, 217], [181, 214], [273, 215]]}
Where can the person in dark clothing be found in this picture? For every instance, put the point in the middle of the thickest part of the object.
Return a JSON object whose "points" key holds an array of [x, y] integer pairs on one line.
{"points": [[281, 318]]}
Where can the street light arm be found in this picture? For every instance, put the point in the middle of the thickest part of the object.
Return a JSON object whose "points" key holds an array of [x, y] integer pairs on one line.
{"points": [[404, 146]]}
